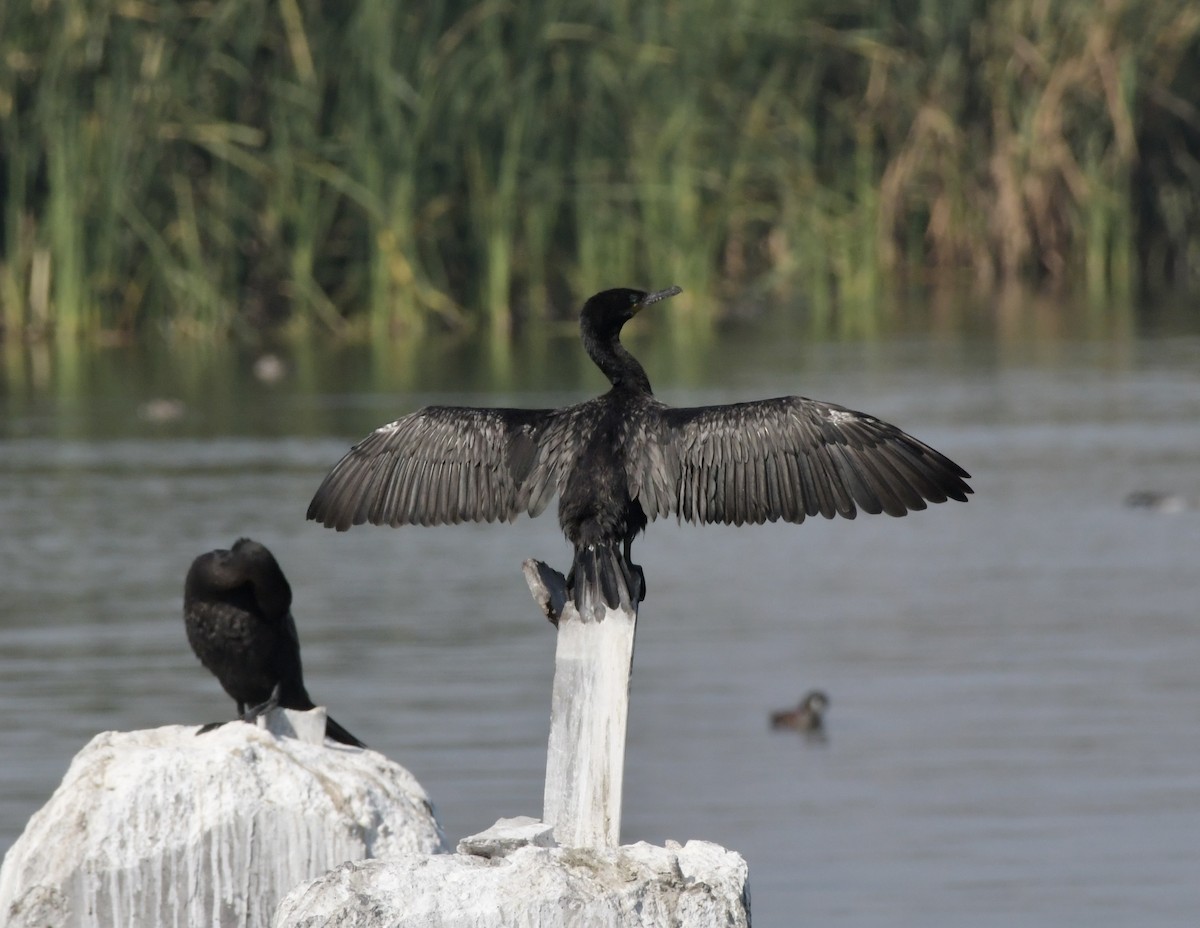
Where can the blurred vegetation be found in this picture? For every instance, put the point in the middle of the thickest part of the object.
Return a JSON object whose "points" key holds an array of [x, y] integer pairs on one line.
{"points": [[218, 166]]}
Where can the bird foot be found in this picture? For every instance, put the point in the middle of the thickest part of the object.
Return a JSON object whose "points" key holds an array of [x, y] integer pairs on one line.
{"points": [[252, 714], [550, 589], [637, 583]]}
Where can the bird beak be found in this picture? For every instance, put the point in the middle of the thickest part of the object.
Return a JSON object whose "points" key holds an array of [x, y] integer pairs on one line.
{"points": [[658, 295]]}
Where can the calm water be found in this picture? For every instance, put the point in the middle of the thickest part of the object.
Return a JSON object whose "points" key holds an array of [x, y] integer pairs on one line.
{"points": [[1015, 689]]}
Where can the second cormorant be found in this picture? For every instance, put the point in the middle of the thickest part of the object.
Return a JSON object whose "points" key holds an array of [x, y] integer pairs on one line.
{"points": [[237, 609], [624, 458]]}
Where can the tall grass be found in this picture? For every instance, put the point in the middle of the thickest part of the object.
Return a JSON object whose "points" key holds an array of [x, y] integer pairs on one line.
{"points": [[380, 168]]}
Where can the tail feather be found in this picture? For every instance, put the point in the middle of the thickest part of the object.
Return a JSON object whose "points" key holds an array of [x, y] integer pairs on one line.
{"points": [[601, 581], [337, 733], [292, 694]]}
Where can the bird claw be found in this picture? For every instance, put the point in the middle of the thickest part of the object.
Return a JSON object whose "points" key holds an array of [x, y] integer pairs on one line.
{"points": [[552, 591], [637, 585], [549, 588], [252, 714]]}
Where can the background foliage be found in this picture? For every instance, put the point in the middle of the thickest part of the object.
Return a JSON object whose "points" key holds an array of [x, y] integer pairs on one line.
{"points": [[379, 167]]}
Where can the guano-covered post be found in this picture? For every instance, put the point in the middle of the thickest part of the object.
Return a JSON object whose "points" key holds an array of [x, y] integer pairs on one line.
{"points": [[589, 708]]}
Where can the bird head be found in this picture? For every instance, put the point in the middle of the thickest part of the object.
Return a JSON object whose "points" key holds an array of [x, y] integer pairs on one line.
{"points": [[815, 701], [257, 565], [607, 311]]}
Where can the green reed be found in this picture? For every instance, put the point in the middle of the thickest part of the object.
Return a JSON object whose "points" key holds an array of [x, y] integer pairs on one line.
{"points": [[381, 168]]}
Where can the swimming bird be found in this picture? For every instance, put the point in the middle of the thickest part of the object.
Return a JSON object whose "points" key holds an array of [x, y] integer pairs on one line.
{"points": [[624, 458], [1161, 502], [237, 609], [808, 716]]}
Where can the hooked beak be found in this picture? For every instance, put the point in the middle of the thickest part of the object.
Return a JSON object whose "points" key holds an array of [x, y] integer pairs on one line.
{"points": [[658, 295]]}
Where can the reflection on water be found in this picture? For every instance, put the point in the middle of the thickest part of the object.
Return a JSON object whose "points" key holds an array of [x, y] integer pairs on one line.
{"points": [[1012, 735]]}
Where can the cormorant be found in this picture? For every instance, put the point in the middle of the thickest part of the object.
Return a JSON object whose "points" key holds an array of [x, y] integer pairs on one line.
{"points": [[623, 458], [237, 611], [808, 716]]}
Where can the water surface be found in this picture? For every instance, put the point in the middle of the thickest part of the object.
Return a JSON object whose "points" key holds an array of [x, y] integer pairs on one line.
{"points": [[1013, 736]]}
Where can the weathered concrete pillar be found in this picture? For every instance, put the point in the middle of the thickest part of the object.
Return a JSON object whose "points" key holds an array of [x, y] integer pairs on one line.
{"points": [[589, 711]]}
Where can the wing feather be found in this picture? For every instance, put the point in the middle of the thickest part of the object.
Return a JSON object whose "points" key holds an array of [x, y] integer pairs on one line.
{"points": [[785, 458], [449, 464]]}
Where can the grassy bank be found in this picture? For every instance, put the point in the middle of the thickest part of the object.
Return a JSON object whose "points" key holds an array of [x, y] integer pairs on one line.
{"points": [[377, 167]]}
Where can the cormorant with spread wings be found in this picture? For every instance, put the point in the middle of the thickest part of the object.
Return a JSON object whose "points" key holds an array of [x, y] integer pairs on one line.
{"points": [[624, 458]]}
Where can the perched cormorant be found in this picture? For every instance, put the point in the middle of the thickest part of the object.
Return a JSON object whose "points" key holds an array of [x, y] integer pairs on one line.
{"points": [[808, 716], [623, 458], [237, 611]]}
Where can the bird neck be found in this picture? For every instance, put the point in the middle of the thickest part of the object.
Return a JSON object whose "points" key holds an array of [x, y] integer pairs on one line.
{"points": [[619, 366]]}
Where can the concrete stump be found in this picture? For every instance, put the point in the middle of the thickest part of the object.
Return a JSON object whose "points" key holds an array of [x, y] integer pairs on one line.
{"points": [[167, 828], [527, 885], [589, 713]]}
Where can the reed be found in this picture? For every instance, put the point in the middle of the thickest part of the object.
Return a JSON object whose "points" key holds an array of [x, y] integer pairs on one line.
{"points": [[383, 168]]}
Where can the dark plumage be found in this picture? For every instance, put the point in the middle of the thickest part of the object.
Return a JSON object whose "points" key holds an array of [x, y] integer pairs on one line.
{"points": [[237, 612], [808, 716], [624, 458]]}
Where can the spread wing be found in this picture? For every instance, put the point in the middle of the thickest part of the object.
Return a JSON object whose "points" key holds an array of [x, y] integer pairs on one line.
{"points": [[784, 458], [450, 464]]}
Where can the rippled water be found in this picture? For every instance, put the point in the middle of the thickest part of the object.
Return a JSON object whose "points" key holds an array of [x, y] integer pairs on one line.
{"points": [[1013, 736]]}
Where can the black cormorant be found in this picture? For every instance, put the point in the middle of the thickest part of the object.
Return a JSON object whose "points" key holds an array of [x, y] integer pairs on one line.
{"points": [[808, 716], [237, 609], [623, 458]]}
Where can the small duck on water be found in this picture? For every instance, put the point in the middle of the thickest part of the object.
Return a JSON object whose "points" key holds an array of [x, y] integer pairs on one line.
{"points": [[807, 717], [1161, 502]]}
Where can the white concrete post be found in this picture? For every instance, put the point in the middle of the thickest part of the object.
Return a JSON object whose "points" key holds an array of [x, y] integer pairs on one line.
{"points": [[585, 760]]}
